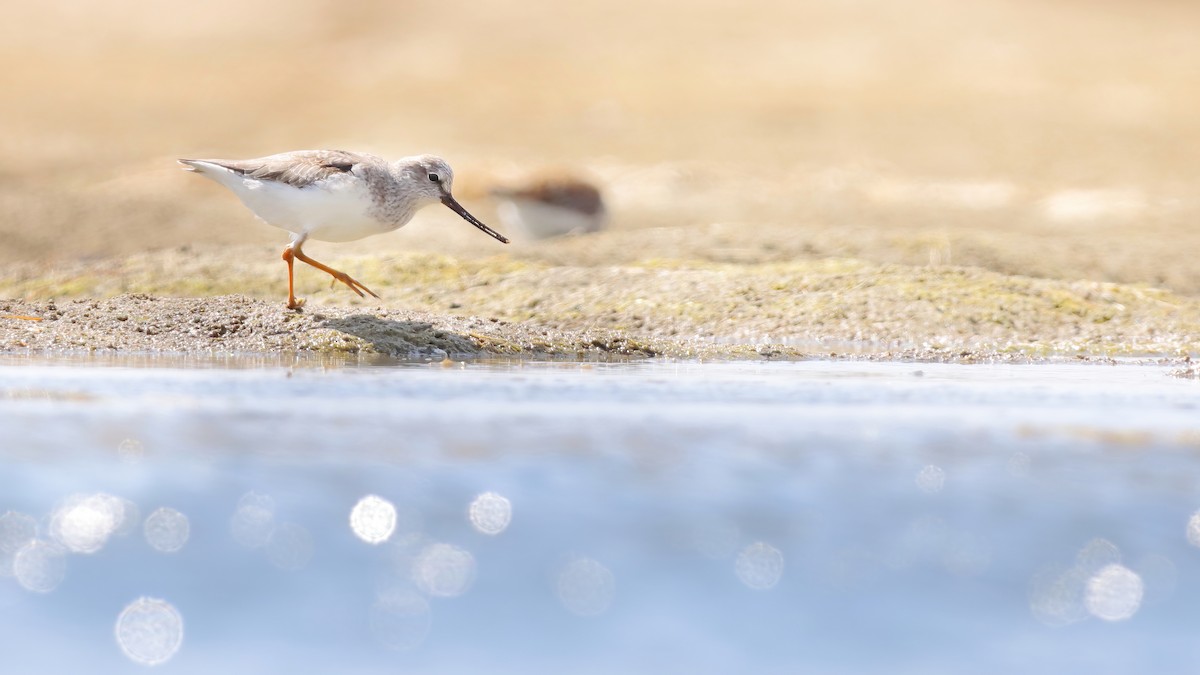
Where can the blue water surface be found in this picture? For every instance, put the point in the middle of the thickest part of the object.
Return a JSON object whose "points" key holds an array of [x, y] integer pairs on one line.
{"points": [[824, 517]]}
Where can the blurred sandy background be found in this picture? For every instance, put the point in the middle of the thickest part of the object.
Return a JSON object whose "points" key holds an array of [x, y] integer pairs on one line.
{"points": [[1049, 138]]}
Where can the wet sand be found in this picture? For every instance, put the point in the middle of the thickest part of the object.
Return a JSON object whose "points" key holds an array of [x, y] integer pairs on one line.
{"points": [[233, 324], [231, 299], [435, 305]]}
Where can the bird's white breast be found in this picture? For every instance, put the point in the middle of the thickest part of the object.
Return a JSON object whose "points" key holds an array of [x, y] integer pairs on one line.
{"points": [[336, 209]]}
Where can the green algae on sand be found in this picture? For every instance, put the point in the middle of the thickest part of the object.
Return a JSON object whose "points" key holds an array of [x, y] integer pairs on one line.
{"points": [[654, 307]]}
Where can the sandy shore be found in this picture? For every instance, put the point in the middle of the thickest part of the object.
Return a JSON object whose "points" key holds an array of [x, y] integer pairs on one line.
{"points": [[232, 301], [232, 324]]}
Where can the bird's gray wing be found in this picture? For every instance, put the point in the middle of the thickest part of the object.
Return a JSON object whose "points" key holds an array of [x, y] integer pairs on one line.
{"points": [[298, 169]]}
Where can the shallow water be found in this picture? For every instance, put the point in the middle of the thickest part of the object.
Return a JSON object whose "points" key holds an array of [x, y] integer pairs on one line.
{"points": [[777, 517]]}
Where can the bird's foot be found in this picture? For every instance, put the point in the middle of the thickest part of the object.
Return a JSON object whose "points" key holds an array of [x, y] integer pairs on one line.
{"points": [[295, 303], [353, 283]]}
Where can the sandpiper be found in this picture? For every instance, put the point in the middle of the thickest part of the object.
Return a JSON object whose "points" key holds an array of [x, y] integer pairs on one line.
{"points": [[551, 206], [332, 195]]}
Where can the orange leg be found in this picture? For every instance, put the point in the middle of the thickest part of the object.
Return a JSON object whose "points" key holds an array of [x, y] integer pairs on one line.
{"points": [[293, 303], [354, 285]]}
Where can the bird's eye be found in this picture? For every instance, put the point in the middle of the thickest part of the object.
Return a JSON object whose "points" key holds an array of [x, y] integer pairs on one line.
{"points": [[434, 177]]}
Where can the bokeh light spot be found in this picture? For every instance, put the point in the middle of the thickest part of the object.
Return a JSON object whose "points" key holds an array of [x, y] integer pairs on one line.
{"points": [[1114, 593], [759, 566], [400, 619], [1193, 529], [490, 513], [586, 587], [166, 530], [254, 520], [131, 450], [149, 631], [83, 523], [1096, 554], [1094, 584], [1019, 464], [931, 479], [373, 519], [16, 530], [40, 566], [1056, 596], [443, 570]]}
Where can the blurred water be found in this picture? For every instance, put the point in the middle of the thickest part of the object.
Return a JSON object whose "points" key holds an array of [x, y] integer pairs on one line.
{"points": [[523, 518]]}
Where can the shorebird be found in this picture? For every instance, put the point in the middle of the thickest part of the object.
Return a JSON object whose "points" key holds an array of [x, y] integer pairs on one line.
{"points": [[332, 195], [551, 206]]}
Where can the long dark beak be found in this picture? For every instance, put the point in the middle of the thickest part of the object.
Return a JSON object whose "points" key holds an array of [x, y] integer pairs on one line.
{"points": [[449, 200]]}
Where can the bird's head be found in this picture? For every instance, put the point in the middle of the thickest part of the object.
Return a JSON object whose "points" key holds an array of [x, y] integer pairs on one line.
{"points": [[430, 179]]}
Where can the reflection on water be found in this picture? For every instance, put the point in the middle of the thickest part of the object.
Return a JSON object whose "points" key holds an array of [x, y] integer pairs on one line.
{"points": [[564, 517]]}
